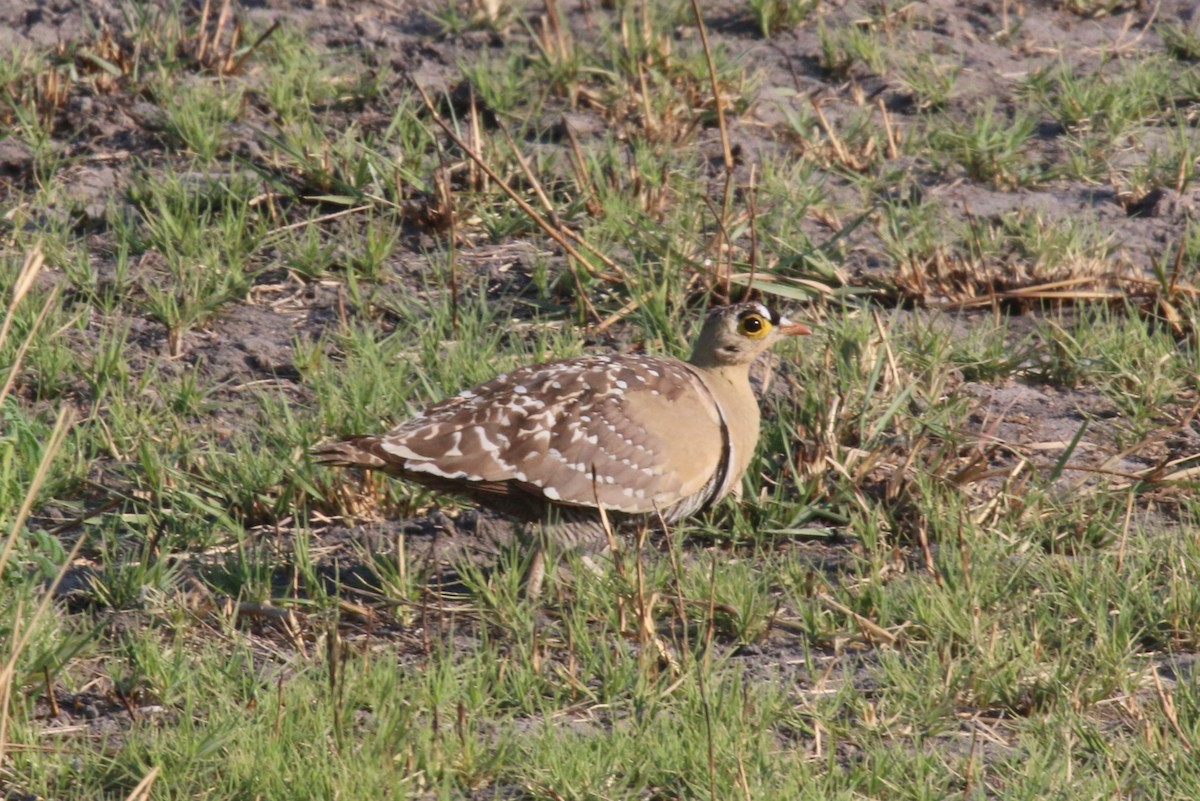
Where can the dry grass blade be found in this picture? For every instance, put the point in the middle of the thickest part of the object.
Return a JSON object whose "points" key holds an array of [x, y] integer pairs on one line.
{"points": [[533, 181], [702, 685], [33, 264], [65, 418], [578, 166], [677, 570], [893, 143], [540, 221], [34, 260], [613, 545], [840, 151], [1157, 474], [551, 212], [869, 627], [206, 45], [11, 378], [21, 632], [1171, 713], [142, 791], [202, 42], [19, 639], [727, 151], [1053, 290], [241, 61], [620, 314]]}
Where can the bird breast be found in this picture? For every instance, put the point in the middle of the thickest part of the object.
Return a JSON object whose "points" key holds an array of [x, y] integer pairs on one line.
{"points": [[730, 388]]}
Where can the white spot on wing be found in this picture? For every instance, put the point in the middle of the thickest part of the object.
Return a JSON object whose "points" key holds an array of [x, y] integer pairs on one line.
{"points": [[399, 449], [484, 441], [433, 469]]}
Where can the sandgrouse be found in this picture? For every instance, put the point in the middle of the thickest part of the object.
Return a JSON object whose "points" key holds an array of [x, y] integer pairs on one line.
{"points": [[639, 435]]}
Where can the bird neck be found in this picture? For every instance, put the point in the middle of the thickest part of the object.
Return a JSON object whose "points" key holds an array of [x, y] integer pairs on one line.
{"points": [[730, 387], [736, 375]]}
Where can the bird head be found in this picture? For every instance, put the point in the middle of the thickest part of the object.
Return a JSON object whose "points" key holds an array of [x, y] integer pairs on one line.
{"points": [[736, 334]]}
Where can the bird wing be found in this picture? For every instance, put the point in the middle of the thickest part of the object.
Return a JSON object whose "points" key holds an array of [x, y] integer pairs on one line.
{"points": [[640, 433]]}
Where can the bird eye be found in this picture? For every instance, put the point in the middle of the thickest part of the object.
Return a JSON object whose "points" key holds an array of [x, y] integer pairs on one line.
{"points": [[754, 326]]}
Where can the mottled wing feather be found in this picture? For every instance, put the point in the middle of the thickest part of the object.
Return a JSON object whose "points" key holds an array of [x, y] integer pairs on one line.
{"points": [[645, 425]]}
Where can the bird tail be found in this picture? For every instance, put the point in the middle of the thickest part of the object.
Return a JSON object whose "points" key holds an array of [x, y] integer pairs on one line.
{"points": [[362, 451]]}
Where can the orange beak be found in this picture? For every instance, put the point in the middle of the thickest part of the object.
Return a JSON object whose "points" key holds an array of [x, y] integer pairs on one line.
{"points": [[793, 329]]}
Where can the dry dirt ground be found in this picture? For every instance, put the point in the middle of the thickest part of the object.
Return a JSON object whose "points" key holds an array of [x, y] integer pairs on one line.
{"points": [[107, 139]]}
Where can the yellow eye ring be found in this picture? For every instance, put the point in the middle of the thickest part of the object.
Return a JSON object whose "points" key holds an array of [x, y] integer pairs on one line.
{"points": [[754, 326]]}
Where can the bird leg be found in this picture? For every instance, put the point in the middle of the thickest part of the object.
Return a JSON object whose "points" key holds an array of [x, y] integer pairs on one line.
{"points": [[549, 541], [441, 520], [535, 541], [535, 573]]}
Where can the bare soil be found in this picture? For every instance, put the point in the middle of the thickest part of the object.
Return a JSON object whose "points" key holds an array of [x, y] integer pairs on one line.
{"points": [[107, 140]]}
